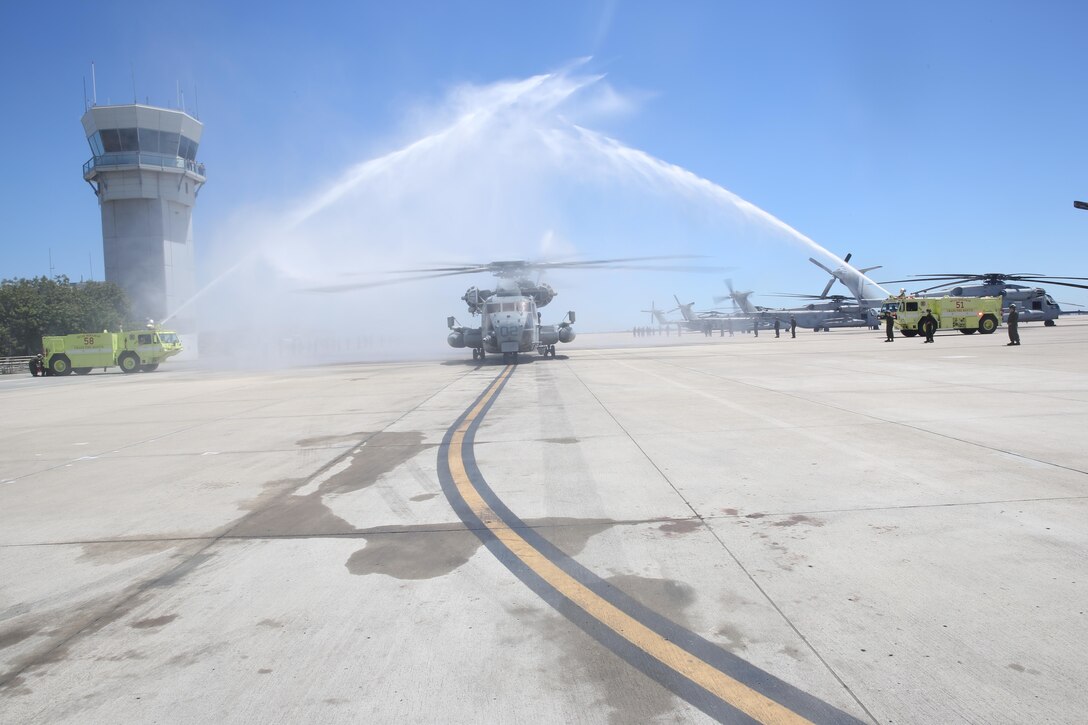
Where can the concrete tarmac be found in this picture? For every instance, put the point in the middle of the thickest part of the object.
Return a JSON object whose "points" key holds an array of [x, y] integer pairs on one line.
{"points": [[829, 528]]}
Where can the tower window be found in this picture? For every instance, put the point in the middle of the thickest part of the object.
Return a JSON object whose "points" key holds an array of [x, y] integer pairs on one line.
{"points": [[111, 142], [149, 141], [129, 140]]}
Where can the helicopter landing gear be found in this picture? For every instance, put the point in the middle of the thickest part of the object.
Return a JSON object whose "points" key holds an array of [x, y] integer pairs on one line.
{"points": [[510, 358], [478, 353]]}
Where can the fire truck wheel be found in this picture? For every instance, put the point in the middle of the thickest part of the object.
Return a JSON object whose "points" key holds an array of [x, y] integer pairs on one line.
{"points": [[150, 367], [908, 333], [61, 365], [987, 324], [82, 371], [129, 362], [968, 330]]}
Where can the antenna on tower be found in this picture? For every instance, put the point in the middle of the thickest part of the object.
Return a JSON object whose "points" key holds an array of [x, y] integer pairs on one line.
{"points": [[94, 86], [84, 94]]}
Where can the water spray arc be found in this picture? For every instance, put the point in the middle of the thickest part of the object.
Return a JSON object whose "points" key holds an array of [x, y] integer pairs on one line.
{"points": [[375, 206]]}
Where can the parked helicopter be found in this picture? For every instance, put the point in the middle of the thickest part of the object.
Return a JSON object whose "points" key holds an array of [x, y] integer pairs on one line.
{"points": [[823, 313], [1033, 303], [868, 295]]}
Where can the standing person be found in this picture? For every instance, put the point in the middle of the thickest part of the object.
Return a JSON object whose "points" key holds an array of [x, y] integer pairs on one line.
{"points": [[889, 326], [793, 326], [777, 326], [755, 326], [929, 325], [1014, 323]]}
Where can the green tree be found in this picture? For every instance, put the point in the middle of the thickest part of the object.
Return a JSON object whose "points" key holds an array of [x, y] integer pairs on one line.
{"points": [[31, 308]]}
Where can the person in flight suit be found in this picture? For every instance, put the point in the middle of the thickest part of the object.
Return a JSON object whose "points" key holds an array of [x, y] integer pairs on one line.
{"points": [[793, 326], [777, 326], [889, 326], [1014, 323], [928, 324]]}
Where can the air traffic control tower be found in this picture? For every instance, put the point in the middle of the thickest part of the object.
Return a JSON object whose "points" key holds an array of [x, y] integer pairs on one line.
{"points": [[146, 177]]}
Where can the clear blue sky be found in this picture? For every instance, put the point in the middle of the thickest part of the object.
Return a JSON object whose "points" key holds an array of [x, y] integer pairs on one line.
{"points": [[927, 137]]}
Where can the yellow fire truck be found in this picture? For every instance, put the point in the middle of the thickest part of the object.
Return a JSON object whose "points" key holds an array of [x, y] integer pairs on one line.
{"points": [[966, 314], [132, 351]]}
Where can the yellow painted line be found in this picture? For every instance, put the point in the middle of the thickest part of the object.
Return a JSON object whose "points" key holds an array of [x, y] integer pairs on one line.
{"points": [[732, 691]]}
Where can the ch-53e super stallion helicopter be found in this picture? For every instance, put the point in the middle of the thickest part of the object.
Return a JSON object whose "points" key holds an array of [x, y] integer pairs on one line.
{"points": [[510, 321]]}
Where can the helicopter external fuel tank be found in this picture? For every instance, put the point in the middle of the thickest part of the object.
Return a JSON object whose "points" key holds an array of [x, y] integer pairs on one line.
{"points": [[551, 334], [471, 337]]}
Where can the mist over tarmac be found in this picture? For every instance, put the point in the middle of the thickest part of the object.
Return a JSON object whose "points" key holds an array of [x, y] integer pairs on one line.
{"points": [[510, 170]]}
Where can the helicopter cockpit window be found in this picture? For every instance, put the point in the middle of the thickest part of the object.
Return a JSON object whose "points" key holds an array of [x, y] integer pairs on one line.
{"points": [[509, 306], [492, 307], [1036, 304]]}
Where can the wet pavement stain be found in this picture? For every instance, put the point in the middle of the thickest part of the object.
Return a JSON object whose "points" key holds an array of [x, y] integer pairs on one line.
{"points": [[120, 550], [327, 441], [15, 636], [381, 454], [799, 519], [154, 622], [567, 534], [562, 441], [278, 512], [735, 641], [86, 618], [123, 657], [667, 597], [792, 652], [270, 623], [681, 526], [429, 551], [1021, 668], [423, 497], [574, 659], [402, 553]]}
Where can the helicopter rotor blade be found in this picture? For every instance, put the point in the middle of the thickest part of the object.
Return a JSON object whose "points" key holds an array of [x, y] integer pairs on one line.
{"points": [[1049, 280], [377, 283], [514, 268], [1065, 284]]}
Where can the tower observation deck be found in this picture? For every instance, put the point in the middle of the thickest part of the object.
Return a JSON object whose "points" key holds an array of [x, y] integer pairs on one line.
{"points": [[146, 177]]}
